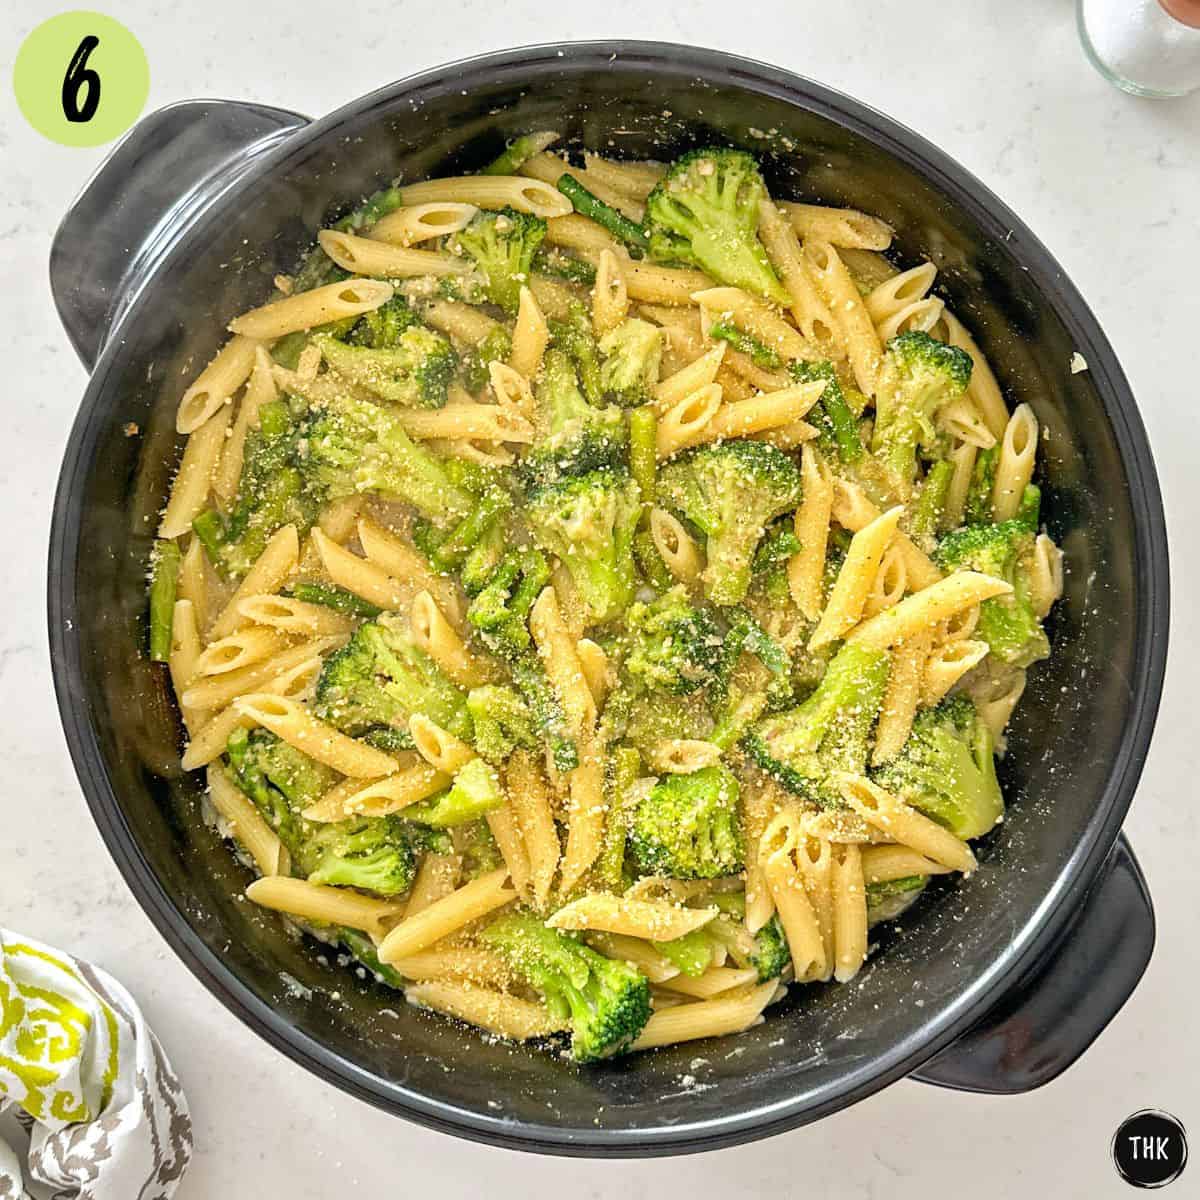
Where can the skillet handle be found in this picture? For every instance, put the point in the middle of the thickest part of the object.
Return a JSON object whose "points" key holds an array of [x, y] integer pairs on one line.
{"points": [[1055, 1013], [168, 167]]}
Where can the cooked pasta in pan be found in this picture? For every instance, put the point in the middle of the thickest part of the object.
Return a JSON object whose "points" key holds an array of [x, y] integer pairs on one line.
{"points": [[596, 593]]}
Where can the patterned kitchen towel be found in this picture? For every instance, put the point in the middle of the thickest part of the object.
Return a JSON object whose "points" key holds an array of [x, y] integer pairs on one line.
{"points": [[108, 1119]]}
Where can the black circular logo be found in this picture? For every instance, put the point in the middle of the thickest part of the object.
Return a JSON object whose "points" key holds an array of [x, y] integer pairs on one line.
{"points": [[1150, 1149]]}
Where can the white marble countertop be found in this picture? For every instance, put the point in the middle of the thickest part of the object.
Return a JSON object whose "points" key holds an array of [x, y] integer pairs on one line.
{"points": [[1110, 183]]}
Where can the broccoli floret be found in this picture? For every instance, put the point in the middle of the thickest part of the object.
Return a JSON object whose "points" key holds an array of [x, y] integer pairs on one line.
{"points": [[503, 245], [271, 494], [746, 636], [589, 521], [1008, 624], [673, 645], [574, 337], [704, 212], [353, 446], [731, 492], [918, 376], [495, 346], [475, 791], [414, 371], [606, 1002], [374, 854], [280, 780], [502, 722], [978, 509], [380, 678], [805, 747], [500, 609], [947, 769], [759, 353], [632, 355], [692, 953], [771, 955], [574, 437], [687, 826], [384, 327], [836, 427], [887, 901]]}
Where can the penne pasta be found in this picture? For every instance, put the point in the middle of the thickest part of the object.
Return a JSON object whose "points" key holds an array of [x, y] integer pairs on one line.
{"points": [[655, 921], [839, 226], [718, 1017], [215, 386], [924, 609], [529, 795], [272, 568], [260, 390], [353, 798], [883, 864], [676, 547], [855, 327], [297, 618], [246, 824], [530, 337], [333, 302], [328, 905], [499, 1013], [462, 906], [533, 196], [610, 295], [1014, 467], [193, 480], [414, 223], [439, 747]]}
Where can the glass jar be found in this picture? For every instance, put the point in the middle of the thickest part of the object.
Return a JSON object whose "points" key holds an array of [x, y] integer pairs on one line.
{"points": [[1144, 47]]}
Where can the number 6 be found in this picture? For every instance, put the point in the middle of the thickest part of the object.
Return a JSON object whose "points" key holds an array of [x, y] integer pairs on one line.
{"points": [[78, 74]]}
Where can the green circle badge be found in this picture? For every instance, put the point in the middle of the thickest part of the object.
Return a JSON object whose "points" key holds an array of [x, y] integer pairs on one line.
{"points": [[81, 79]]}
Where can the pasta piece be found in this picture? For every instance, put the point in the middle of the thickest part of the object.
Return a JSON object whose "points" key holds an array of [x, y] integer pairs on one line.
{"points": [[437, 746], [755, 317], [996, 696], [983, 388], [185, 651], [530, 337], [571, 604], [563, 671], [480, 422], [705, 1018], [905, 824], [486, 454], [713, 982], [963, 458], [894, 295], [633, 179], [260, 390], [333, 302], [329, 905], [555, 298], [503, 824], [767, 410], [241, 649], [437, 877], [808, 309], [853, 585], [580, 233], [684, 425], [690, 379], [434, 634], [210, 739], [638, 953], [246, 824], [814, 859], [512, 390], [366, 256], [193, 480], [585, 817], [683, 756], [271, 569], [855, 327], [1045, 575], [593, 661], [470, 325], [883, 864], [676, 547], [541, 199], [890, 582], [920, 315], [363, 578], [353, 798], [610, 295], [1014, 467], [549, 168], [219, 690], [656, 921], [217, 384], [416, 223], [298, 727], [462, 964], [292, 616], [758, 807], [193, 582], [777, 855], [849, 911], [960, 420], [499, 1013], [409, 570], [947, 665], [838, 226], [465, 904], [901, 697], [529, 795], [806, 568], [926, 608], [652, 284]]}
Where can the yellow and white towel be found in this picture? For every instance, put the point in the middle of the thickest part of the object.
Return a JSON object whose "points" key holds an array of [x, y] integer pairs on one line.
{"points": [[105, 1115]]}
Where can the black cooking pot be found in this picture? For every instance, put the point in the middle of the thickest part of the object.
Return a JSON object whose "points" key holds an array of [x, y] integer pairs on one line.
{"points": [[995, 983]]}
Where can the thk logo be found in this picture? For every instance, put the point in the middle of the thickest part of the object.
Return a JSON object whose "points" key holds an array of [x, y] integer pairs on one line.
{"points": [[1150, 1149]]}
